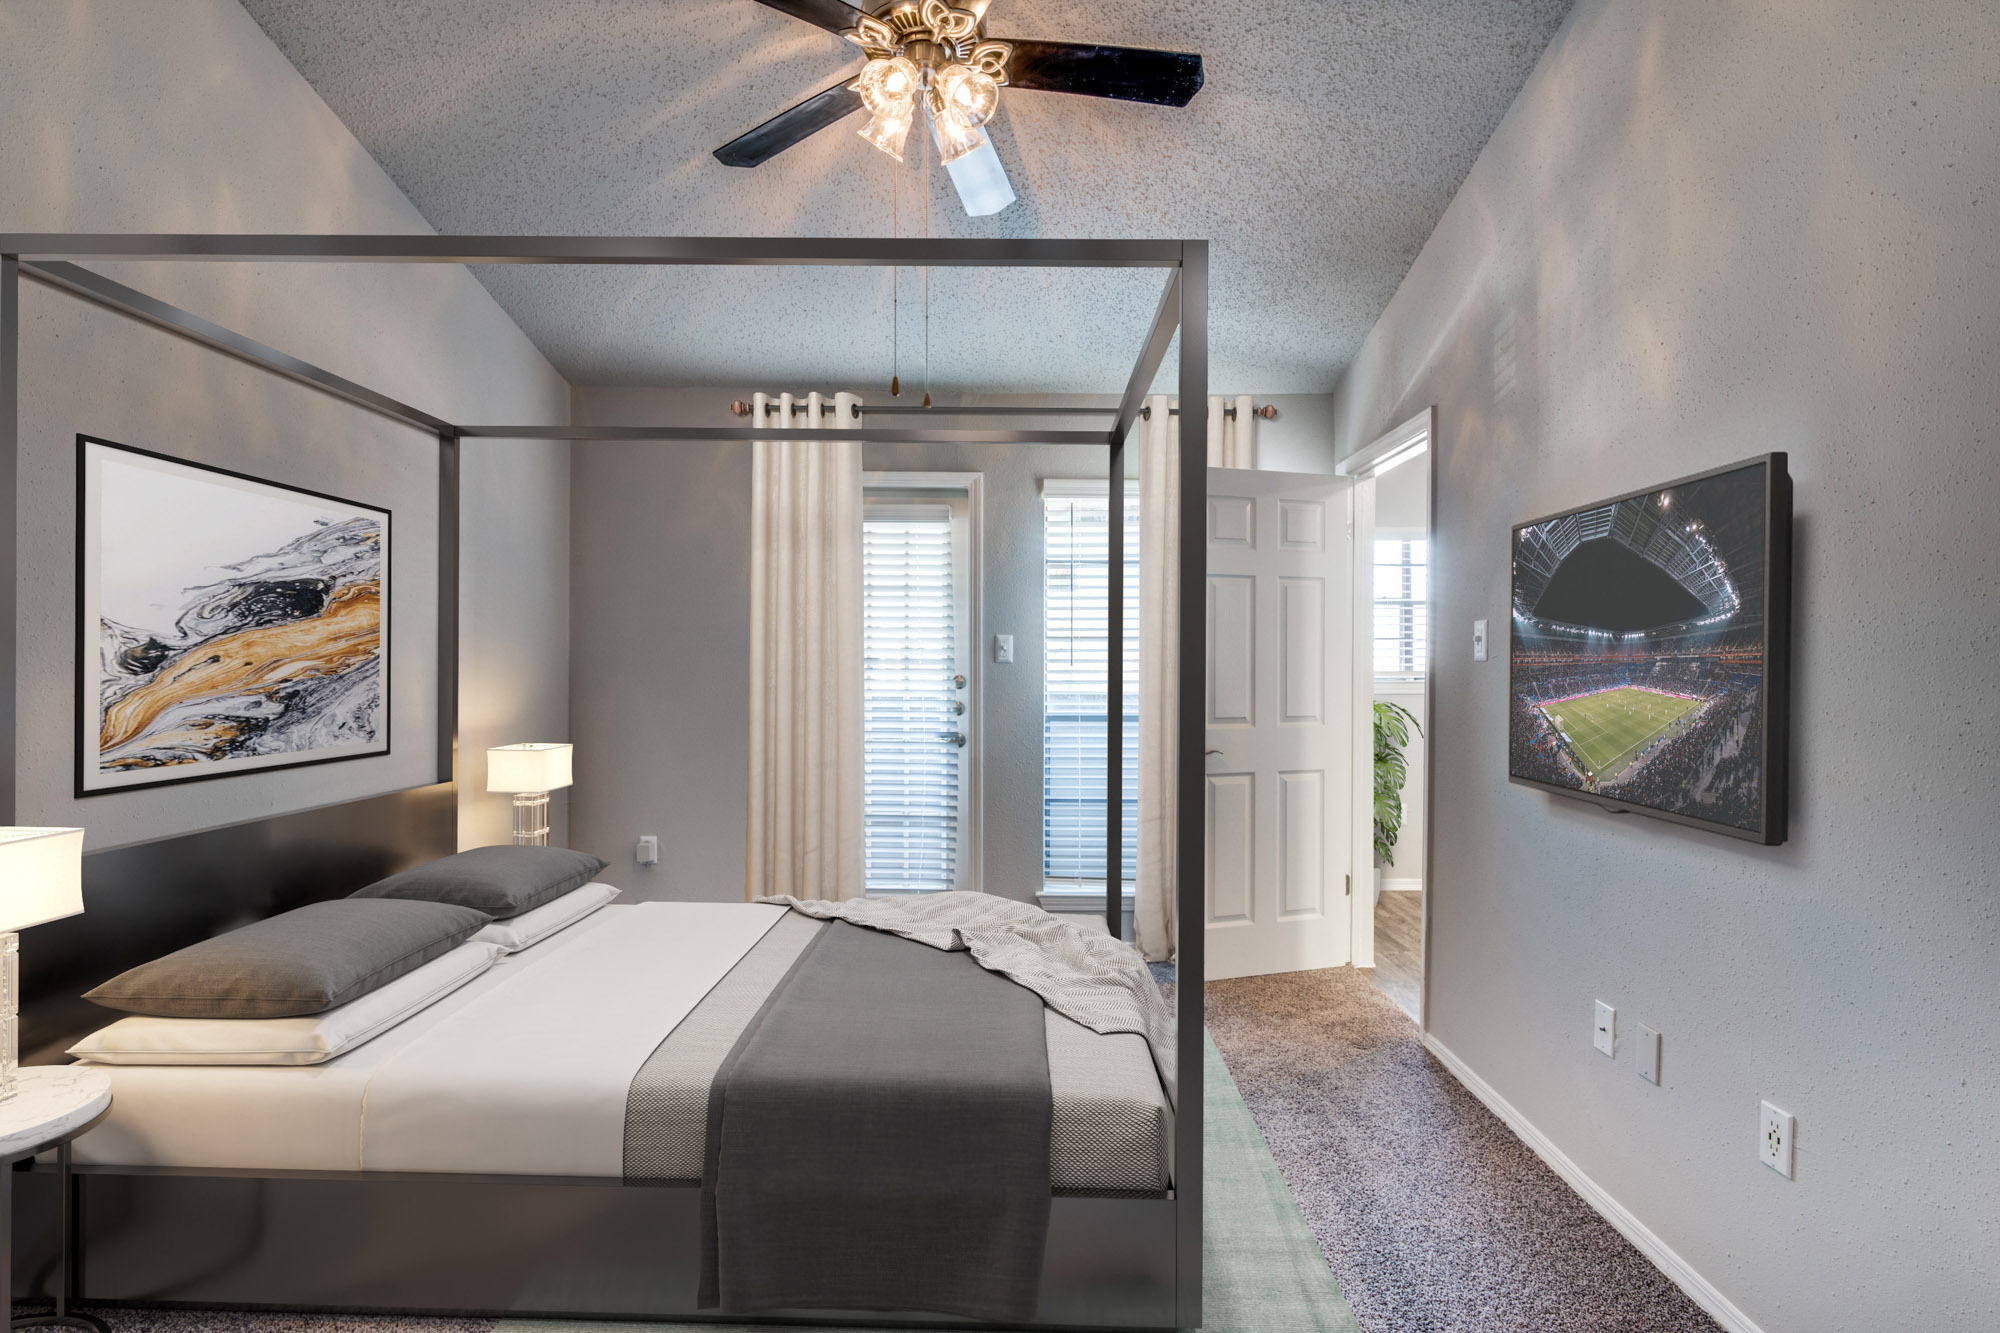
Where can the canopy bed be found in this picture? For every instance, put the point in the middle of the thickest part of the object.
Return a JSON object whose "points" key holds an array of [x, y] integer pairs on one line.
{"points": [[247, 1204]]}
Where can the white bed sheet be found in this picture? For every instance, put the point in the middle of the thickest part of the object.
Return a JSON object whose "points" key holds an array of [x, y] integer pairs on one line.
{"points": [[554, 1034]]}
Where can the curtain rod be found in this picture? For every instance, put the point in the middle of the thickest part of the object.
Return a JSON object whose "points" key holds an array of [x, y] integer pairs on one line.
{"points": [[1268, 411]]}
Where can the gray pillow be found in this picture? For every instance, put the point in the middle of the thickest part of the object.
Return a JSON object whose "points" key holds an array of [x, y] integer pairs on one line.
{"points": [[304, 961], [499, 881]]}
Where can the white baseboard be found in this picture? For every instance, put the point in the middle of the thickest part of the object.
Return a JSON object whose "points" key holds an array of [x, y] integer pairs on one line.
{"points": [[1699, 1289], [1402, 885]]}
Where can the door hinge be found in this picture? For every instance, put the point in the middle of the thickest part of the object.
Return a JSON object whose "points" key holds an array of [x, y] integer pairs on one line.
{"points": [[1348, 892]]}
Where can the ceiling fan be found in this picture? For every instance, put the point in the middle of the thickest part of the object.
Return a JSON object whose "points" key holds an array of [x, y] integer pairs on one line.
{"points": [[928, 56]]}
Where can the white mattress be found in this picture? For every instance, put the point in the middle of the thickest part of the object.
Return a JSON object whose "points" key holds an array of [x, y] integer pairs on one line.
{"points": [[527, 1069], [524, 1071]]}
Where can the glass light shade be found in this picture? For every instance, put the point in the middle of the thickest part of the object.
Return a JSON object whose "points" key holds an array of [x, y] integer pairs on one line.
{"points": [[41, 875], [533, 767], [955, 138], [967, 94], [889, 84], [888, 132]]}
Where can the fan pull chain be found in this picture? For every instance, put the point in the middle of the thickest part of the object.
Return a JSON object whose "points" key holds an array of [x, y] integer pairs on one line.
{"points": [[895, 280], [927, 270]]}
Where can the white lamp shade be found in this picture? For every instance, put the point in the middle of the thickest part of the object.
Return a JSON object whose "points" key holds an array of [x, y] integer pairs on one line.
{"points": [[535, 766], [41, 875]]}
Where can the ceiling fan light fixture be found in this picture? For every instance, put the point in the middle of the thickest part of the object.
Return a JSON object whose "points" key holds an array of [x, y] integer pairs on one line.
{"points": [[888, 131], [955, 138], [889, 83], [968, 94], [888, 88]]}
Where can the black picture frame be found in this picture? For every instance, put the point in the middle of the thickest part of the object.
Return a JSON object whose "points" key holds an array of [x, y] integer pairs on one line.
{"points": [[1775, 739], [86, 638]]}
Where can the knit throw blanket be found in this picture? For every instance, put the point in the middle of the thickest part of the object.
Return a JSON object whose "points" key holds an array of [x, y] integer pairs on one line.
{"points": [[1086, 976]]}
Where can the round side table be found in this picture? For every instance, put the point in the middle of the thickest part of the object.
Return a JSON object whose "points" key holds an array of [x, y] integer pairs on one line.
{"points": [[53, 1104]]}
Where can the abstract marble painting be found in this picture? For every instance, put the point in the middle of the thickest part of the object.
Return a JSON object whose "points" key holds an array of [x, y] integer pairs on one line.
{"points": [[229, 624]]}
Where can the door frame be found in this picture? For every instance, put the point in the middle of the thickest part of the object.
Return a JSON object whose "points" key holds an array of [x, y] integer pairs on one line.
{"points": [[1417, 435]]}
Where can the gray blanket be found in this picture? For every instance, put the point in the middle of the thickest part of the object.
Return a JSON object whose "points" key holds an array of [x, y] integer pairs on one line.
{"points": [[1084, 975], [879, 1139]]}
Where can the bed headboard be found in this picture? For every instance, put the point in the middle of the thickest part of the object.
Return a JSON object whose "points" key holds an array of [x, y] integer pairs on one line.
{"points": [[152, 898]]}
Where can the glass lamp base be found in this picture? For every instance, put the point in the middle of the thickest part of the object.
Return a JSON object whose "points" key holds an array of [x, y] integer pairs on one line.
{"points": [[531, 819], [10, 1005]]}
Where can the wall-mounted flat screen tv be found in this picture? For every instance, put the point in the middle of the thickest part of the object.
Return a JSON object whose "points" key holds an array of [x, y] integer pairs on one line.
{"points": [[1650, 651]]}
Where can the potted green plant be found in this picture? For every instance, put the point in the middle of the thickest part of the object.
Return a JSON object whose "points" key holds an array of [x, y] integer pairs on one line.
{"points": [[1393, 724]]}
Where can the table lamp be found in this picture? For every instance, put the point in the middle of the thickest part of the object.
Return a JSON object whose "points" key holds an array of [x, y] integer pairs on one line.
{"points": [[41, 879], [530, 771]]}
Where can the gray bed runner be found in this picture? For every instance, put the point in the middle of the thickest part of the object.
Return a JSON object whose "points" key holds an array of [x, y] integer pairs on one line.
{"points": [[1109, 1126], [879, 1139]]}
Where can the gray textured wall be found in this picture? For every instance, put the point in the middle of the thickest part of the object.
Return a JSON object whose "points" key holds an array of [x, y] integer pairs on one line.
{"points": [[1704, 231], [661, 630], [186, 118]]}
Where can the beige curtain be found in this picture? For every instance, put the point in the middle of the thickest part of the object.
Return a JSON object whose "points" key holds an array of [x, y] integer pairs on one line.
{"points": [[1232, 442], [805, 656]]}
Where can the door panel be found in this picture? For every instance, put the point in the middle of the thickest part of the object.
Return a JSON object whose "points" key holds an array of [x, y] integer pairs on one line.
{"points": [[1231, 519], [1232, 847], [1302, 525], [1301, 844], [1279, 764], [1302, 640], [1232, 652]]}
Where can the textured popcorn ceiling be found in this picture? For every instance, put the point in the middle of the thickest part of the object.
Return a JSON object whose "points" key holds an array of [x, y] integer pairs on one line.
{"points": [[1322, 150]]}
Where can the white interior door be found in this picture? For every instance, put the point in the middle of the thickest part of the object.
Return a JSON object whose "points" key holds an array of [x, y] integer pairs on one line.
{"points": [[1279, 722]]}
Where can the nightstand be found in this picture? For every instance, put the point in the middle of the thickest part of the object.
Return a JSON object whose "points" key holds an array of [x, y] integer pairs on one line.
{"points": [[54, 1104]]}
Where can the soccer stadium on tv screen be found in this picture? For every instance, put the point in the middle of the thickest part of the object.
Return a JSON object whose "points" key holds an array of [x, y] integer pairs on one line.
{"points": [[1642, 650]]}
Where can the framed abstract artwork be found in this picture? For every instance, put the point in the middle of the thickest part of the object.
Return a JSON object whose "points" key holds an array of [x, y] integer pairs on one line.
{"points": [[227, 625]]}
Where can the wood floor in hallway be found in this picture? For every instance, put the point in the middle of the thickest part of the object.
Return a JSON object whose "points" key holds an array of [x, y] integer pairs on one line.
{"points": [[1399, 942]]}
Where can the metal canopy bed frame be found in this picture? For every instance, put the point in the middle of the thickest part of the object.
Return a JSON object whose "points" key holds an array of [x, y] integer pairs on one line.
{"points": [[586, 1247]]}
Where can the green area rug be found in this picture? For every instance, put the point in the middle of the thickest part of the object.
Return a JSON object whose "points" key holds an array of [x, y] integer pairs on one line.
{"points": [[1262, 1272]]}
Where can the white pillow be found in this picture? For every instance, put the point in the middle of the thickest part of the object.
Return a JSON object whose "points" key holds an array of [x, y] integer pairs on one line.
{"points": [[305, 1040], [518, 932]]}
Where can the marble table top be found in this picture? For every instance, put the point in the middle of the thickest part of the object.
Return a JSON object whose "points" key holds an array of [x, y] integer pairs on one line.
{"points": [[52, 1100]]}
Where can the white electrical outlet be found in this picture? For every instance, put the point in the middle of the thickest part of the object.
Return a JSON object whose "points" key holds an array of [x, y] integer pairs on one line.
{"points": [[1003, 648], [649, 850], [1774, 1144], [1479, 641], [1649, 1054], [1605, 1037]]}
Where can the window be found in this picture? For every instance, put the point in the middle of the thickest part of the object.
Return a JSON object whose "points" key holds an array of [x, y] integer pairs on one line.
{"points": [[1077, 537], [915, 637], [1402, 590]]}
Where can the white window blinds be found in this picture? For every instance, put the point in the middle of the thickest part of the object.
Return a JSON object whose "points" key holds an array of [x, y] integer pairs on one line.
{"points": [[1402, 590], [1077, 596], [912, 783]]}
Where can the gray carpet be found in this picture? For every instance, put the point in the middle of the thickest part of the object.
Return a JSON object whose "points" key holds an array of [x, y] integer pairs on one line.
{"points": [[1433, 1216]]}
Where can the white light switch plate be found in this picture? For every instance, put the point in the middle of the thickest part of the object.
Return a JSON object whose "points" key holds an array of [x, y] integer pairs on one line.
{"points": [[1003, 647], [1649, 1054], [1479, 641], [1774, 1143], [1605, 1035], [649, 850]]}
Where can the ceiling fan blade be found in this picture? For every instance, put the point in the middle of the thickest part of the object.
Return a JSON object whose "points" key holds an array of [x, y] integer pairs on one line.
{"points": [[786, 128], [1129, 74], [982, 182], [833, 15]]}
